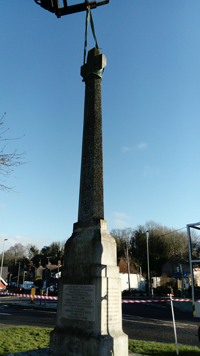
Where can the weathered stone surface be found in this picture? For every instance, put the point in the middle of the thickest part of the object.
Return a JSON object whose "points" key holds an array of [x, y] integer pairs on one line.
{"points": [[94, 327], [89, 314], [91, 198]]}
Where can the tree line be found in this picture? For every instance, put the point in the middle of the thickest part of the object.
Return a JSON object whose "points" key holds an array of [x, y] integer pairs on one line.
{"points": [[31, 254], [163, 242]]}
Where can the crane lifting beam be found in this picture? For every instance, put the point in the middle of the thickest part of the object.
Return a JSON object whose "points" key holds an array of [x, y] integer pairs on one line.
{"points": [[54, 6]]}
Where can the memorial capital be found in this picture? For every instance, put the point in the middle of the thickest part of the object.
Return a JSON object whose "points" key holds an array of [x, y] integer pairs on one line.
{"points": [[96, 62]]}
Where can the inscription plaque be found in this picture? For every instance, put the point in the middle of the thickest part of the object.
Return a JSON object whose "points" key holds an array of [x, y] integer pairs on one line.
{"points": [[78, 302], [114, 303]]}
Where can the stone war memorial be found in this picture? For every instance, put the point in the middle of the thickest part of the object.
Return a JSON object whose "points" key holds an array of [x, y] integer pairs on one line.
{"points": [[89, 312]]}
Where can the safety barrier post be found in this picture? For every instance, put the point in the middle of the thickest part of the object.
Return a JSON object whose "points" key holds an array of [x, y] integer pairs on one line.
{"points": [[173, 318]]}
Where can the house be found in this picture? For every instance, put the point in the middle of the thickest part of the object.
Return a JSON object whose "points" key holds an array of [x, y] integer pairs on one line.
{"points": [[155, 281], [137, 281], [196, 273], [4, 273], [49, 276], [3, 284], [172, 267], [54, 270], [176, 268], [3, 279]]}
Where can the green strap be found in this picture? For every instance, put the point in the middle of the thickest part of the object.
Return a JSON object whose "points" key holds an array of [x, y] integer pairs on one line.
{"points": [[89, 18]]}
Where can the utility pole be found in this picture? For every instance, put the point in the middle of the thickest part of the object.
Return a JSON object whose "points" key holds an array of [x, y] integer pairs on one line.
{"points": [[181, 279], [148, 271], [18, 275], [127, 256]]}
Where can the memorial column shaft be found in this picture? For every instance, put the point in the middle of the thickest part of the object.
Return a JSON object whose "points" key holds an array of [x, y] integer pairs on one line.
{"points": [[91, 196]]}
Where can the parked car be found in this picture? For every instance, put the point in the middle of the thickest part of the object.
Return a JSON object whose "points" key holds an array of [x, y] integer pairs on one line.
{"points": [[133, 293], [13, 284], [27, 286], [53, 289]]}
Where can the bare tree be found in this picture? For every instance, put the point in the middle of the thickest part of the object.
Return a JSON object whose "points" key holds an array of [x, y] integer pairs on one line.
{"points": [[17, 251], [7, 160]]}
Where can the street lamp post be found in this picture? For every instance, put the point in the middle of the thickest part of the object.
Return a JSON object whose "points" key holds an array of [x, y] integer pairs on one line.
{"points": [[148, 271], [2, 259]]}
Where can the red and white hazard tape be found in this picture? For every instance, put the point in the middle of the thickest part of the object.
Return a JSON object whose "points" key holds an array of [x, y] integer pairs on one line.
{"points": [[155, 300], [29, 296], [144, 301], [123, 301]]}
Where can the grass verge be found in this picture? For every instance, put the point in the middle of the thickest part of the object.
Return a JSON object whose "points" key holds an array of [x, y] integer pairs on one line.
{"points": [[24, 338], [161, 349]]}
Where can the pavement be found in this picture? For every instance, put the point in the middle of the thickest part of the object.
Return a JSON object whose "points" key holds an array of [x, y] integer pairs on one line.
{"points": [[45, 352], [36, 304], [44, 305]]}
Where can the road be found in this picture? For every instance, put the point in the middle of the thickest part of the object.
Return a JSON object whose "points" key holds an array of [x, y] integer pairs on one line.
{"points": [[12, 313], [150, 322], [153, 322]]}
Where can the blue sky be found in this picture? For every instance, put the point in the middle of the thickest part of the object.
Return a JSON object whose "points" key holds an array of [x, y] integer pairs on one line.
{"points": [[151, 110]]}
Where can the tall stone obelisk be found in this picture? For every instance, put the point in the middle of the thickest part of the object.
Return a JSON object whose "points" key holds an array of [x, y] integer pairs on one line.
{"points": [[89, 314]]}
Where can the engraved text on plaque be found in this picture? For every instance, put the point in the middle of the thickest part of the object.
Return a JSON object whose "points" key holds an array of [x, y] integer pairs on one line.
{"points": [[78, 302]]}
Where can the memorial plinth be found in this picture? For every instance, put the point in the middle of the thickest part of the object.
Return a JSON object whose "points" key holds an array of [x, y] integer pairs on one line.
{"points": [[89, 314]]}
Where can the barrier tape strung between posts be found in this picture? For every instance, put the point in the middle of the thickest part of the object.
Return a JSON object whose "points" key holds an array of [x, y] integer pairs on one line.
{"points": [[123, 300], [158, 300], [155, 300], [29, 296]]}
